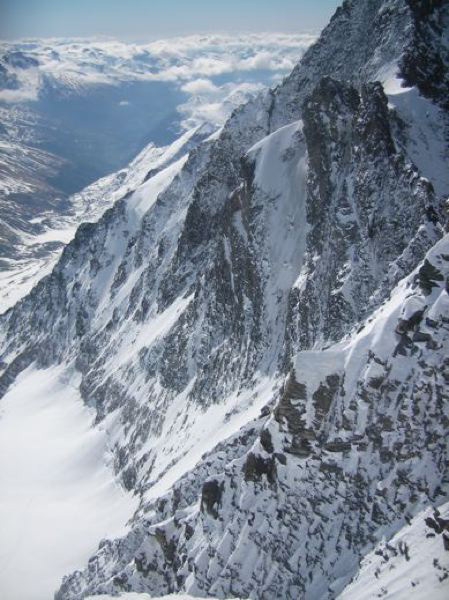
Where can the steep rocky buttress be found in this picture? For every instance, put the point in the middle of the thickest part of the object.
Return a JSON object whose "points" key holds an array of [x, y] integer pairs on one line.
{"points": [[263, 326]]}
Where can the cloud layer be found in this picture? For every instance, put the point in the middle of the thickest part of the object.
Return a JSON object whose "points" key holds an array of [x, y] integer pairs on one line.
{"points": [[216, 72]]}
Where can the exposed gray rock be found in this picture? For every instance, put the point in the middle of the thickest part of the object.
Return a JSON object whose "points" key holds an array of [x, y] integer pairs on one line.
{"points": [[282, 304]]}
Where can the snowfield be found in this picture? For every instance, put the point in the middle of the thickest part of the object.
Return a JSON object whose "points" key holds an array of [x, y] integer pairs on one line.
{"points": [[58, 493]]}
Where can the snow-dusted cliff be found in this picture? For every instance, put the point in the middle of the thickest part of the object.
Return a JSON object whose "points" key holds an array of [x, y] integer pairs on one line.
{"points": [[262, 326]]}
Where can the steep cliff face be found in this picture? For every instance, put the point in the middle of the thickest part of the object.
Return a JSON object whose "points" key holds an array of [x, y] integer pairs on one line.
{"points": [[355, 446], [370, 215], [261, 326], [425, 63]]}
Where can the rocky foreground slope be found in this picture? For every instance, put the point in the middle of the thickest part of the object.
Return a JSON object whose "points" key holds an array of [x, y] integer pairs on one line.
{"points": [[262, 326]]}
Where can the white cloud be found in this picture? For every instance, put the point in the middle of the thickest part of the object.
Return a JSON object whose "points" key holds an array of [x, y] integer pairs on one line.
{"points": [[189, 62], [20, 95], [28, 81], [215, 108], [78, 63], [200, 86]]}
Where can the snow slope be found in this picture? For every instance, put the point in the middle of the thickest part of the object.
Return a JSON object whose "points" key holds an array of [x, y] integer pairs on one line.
{"points": [[39, 249], [262, 329], [413, 564], [58, 494]]}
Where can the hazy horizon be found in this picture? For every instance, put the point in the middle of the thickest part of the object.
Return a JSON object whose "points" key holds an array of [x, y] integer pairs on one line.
{"points": [[156, 19]]}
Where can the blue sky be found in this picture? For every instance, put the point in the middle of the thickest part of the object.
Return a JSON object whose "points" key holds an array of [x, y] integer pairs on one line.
{"points": [[152, 19]]}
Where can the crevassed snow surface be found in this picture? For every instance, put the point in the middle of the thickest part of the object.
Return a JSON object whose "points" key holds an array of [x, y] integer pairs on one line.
{"points": [[58, 496]]}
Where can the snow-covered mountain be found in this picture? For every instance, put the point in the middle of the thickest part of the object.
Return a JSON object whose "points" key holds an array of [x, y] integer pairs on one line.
{"points": [[262, 330], [72, 111], [37, 243]]}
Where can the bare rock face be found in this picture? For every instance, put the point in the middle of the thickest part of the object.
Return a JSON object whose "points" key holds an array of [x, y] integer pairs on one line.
{"points": [[364, 233], [266, 320], [426, 62]]}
